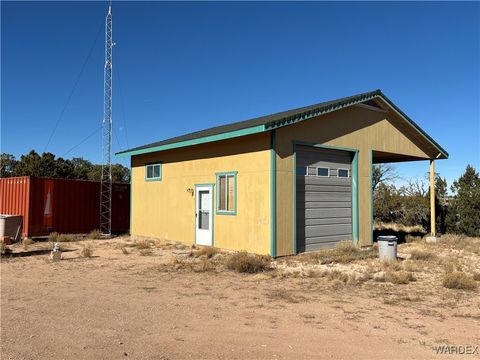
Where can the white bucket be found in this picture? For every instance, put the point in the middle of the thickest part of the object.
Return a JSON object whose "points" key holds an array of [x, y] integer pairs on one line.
{"points": [[387, 247]]}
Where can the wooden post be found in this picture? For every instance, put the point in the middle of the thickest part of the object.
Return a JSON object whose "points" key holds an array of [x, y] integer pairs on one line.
{"points": [[432, 198]]}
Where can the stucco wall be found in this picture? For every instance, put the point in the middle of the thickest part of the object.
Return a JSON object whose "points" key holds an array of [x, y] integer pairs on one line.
{"points": [[353, 127], [164, 209]]}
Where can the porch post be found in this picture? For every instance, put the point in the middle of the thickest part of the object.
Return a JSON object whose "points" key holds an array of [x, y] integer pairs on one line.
{"points": [[432, 198]]}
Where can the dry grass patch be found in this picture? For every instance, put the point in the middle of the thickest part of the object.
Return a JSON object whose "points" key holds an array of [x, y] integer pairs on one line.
{"points": [[142, 244], [87, 251], [26, 242], [208, 252], [422, 255], [94, 235], [459, 242], [399, 277], [459, 280], [450, 265], [391, 265], [336, 275], [344, 253], [244, 262], [204, 265], [398, 227], [146, 252], [56, 237]]}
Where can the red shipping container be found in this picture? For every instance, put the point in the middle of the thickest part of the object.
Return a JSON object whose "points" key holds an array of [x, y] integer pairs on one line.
{"points": [[64, 206]]}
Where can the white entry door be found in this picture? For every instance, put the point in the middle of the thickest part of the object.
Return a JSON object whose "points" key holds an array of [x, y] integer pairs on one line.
{"points": [[204, 215]]}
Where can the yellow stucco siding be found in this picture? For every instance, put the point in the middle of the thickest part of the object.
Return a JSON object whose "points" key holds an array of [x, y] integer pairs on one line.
{"points": [[353, 127], [166, 210]]}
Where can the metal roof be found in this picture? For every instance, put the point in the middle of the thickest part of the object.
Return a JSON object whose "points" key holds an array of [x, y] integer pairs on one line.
{"points": [[270, 122]]}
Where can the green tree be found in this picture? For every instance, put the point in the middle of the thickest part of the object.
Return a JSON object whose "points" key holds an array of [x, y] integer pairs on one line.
{"points": [[81, 168], [46, 165], [8, 165], [463, 215]]}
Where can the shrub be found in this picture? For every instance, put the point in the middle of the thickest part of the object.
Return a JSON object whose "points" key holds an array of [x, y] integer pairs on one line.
{"points": [[142, 244], [422, 255], [458, 280], [56, 237], [336, 275], [87, 251], [94, 234], [243, 262], [26, 242], [399, 277], [53, 236], [476, 276], [209, 252], [204, 265]]}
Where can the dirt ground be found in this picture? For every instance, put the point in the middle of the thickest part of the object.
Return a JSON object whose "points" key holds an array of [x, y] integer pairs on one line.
{"points": [[153, 300]]}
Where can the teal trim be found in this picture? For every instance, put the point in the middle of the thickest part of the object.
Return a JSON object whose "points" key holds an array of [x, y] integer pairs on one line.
{"points": [[273, 194], [355, 197], [354, 187], [159, 178], [202, 140], [131, 196], [371, 196], [225, 212], [213, 213], [295, 250]]}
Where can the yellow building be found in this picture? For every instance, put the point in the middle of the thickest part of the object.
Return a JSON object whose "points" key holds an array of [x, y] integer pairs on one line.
{"points": [[294, 181]]}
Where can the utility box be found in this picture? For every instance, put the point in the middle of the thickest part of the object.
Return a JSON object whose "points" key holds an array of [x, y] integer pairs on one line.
{"points": [[11, 226]]}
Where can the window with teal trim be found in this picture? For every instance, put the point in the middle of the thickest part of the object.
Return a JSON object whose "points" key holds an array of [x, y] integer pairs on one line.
{"points": [[227, 193], [153, 172]]}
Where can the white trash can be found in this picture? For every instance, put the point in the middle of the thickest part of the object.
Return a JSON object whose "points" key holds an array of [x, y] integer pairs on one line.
{"points": [[387, 247]]}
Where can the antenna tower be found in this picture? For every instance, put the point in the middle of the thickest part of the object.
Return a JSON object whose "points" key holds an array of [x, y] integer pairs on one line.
{"points": [[106, 179]]}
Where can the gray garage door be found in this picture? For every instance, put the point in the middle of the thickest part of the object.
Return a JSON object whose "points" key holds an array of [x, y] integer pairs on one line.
{"points": [[324, 197]]}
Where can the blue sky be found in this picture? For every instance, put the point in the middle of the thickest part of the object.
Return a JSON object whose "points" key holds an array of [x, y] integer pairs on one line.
{"points": [[181, 67]]}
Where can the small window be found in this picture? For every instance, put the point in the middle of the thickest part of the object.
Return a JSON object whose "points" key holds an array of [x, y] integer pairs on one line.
{"points": [[344, 173], [153, 172], [302, 171], [323, 172], [226, 193]]}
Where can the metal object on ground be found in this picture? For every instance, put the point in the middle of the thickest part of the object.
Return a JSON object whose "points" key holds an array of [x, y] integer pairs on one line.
{"points": [[11, 226], [387, 247]]}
